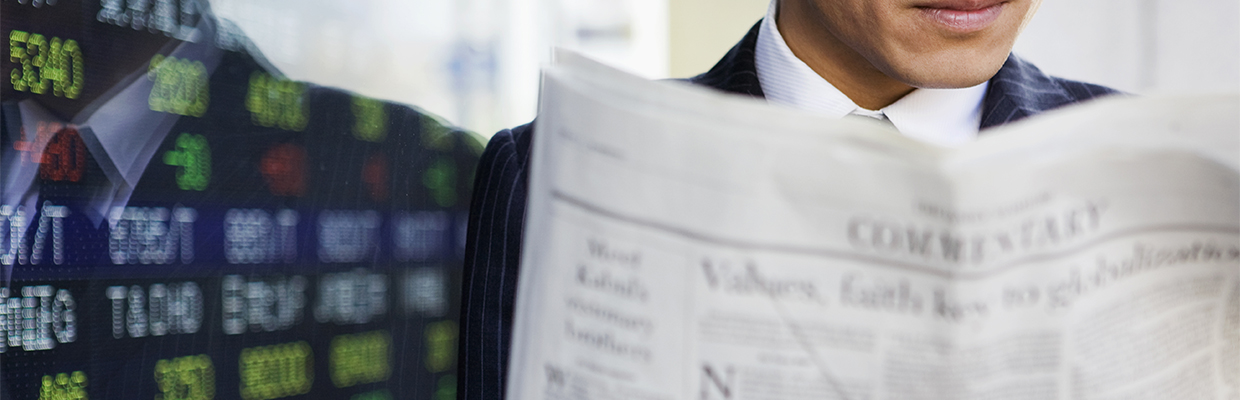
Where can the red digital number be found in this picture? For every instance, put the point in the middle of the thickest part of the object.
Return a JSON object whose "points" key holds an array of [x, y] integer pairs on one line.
{"points": [[284, 168], [64, 158]]}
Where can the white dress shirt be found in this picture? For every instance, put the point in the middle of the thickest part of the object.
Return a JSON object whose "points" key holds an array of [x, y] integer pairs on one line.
{"points": [[946, 117]]}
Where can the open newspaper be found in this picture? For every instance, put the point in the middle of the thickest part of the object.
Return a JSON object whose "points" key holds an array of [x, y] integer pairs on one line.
{"points": [[684, 244]]}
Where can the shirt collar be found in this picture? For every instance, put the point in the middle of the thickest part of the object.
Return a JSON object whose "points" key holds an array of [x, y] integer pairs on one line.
{"points": [[947, 117], [121, 124]]}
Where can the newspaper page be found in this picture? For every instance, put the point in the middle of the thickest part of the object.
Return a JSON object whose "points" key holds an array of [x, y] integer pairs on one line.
{"points": [[684, 244]]}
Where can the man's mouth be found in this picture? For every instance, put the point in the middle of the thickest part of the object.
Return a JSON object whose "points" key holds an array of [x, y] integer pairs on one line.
{"points": [[963, 16]]}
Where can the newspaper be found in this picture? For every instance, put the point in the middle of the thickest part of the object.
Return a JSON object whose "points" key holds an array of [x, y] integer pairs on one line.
{"points": [[685, 244]]}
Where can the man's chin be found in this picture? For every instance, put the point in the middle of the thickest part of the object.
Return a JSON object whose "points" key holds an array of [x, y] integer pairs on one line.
{"points": [[954, 82], [954, 73]]}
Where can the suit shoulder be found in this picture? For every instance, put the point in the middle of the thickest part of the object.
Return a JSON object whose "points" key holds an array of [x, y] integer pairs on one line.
{"points": [[1020, 89], [502, 172], [1081, 91], [510, 145], [736, 71], [492, 263], [1019, 77]]}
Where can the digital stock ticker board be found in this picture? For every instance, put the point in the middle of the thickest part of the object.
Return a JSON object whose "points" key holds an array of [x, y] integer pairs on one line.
{"points": [[180, 221]]}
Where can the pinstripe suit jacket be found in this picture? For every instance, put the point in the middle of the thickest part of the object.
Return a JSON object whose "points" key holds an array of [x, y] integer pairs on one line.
{"points": [[497, 214]]}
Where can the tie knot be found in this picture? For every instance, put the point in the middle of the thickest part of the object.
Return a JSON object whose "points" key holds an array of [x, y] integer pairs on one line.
{"points": [[870, 115], [861, 112]]}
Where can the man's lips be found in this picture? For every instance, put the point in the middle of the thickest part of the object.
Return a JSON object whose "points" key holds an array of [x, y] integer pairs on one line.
{"points": [[963, 16]]}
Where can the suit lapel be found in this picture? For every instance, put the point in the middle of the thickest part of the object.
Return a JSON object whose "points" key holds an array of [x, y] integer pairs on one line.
{"points": [[736, 72], [1019, 90]]}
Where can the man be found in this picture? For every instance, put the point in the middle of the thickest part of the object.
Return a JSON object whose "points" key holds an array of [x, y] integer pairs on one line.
{"points": [[938, 70]]}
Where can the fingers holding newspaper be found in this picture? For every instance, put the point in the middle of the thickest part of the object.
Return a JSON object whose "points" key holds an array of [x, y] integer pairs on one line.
{"points": [[683, 244]]}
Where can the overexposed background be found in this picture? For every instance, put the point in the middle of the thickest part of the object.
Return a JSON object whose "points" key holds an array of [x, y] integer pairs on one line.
{"points": [[475, 62]]}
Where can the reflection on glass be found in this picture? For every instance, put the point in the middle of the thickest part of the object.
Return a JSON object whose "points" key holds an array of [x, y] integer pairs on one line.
{"points": [[180, 219]]}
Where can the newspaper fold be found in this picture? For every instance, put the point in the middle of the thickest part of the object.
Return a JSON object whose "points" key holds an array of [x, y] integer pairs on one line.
{"points": [[685, 244]]}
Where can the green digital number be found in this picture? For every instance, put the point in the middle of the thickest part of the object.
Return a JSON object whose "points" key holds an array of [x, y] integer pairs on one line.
{"points": [[192, 157], [185, 378], [64, 387], [180, 86], [272, 372], [54, 66], [360, 358], [369, 119], [440, 346], [440, 178], [276, 102]]}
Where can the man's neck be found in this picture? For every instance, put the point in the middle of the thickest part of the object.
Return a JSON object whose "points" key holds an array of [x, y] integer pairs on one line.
{"points": [[811, 41]]}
